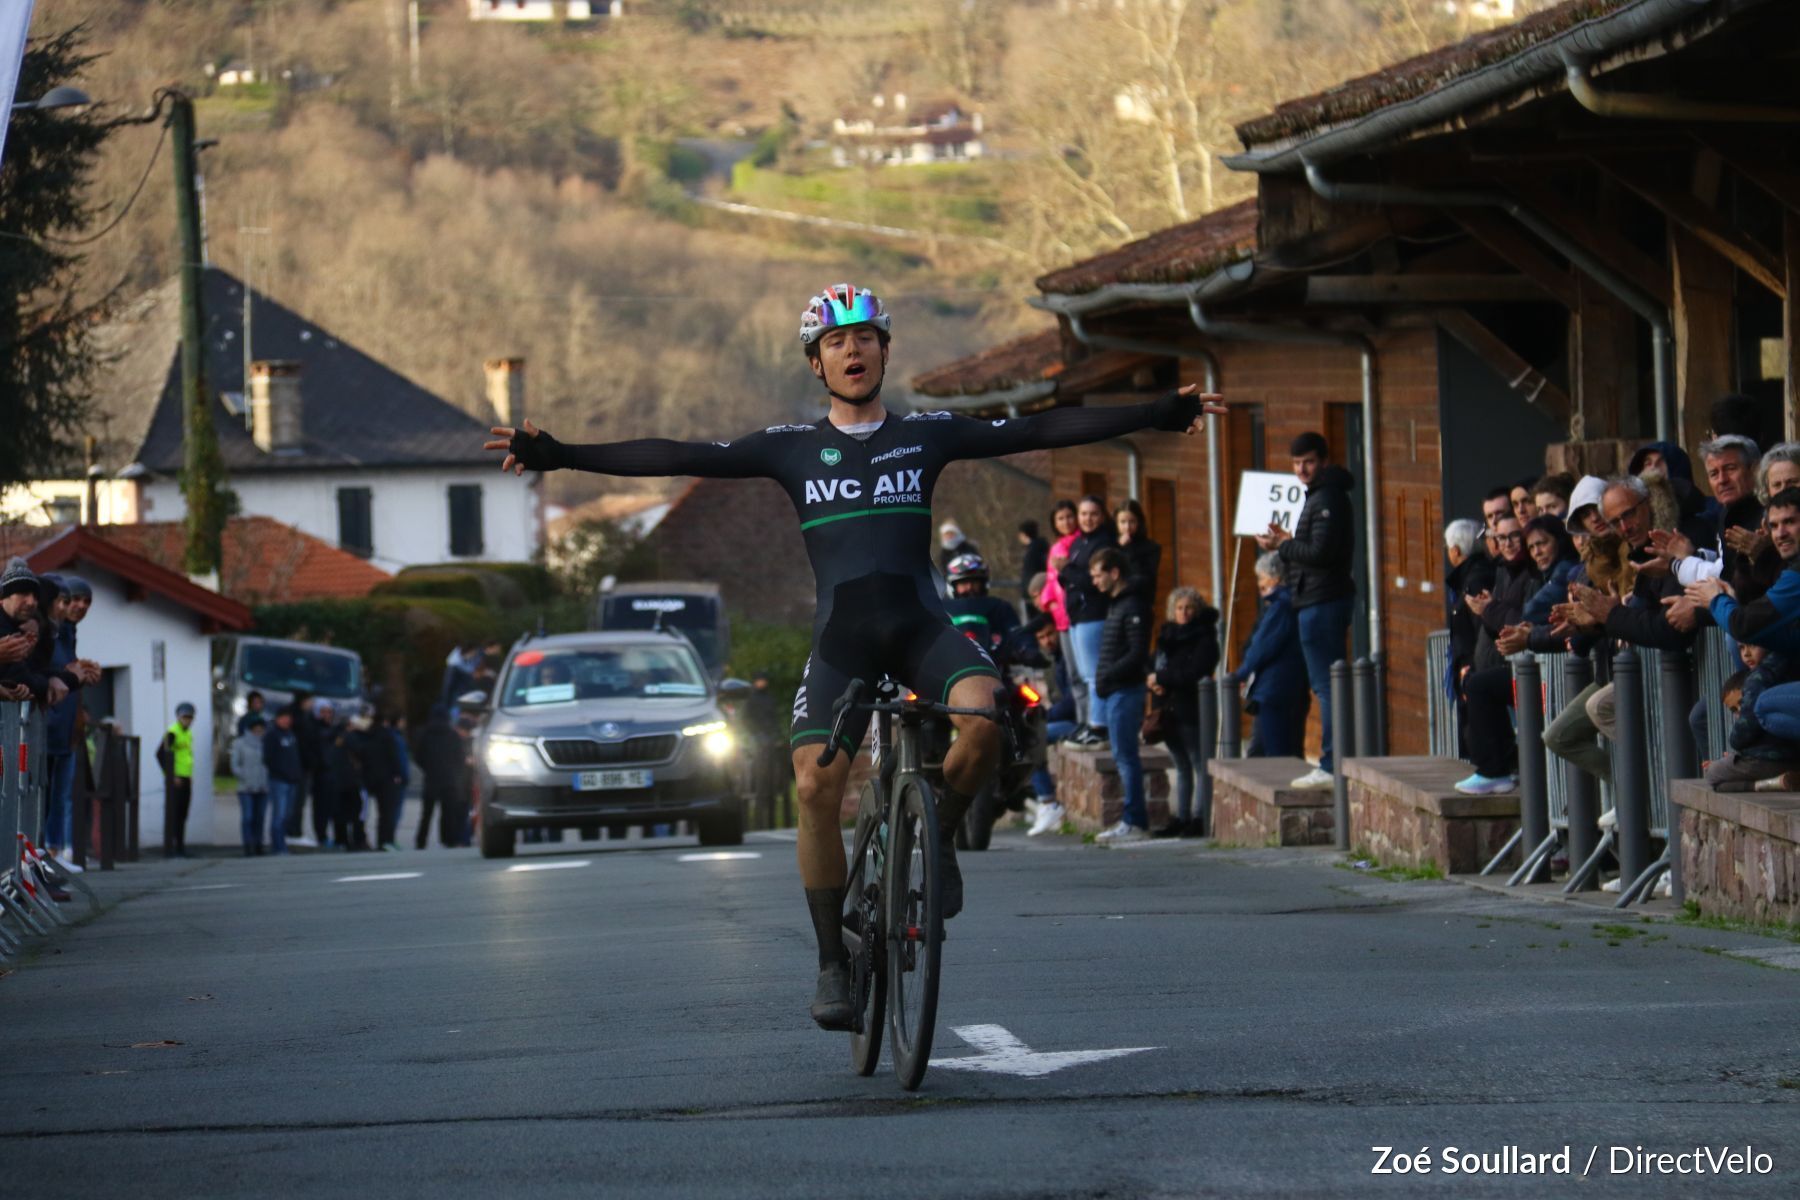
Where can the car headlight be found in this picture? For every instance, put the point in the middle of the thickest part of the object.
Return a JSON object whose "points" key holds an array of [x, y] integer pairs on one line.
{"points": [[715, 738], [510, 756]]}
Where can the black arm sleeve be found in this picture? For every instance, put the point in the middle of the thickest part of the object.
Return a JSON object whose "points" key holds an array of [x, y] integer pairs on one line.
{"points": [[1060, 427], [746, 458]]}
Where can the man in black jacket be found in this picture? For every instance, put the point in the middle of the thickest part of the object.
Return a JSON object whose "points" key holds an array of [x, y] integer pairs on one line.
{"points": [[1119, 679], [1488, 688], [443, 760], [1318, 556]]}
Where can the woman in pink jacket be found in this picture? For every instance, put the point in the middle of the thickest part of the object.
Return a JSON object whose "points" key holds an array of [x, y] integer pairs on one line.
{"points": [[1050, 599]]}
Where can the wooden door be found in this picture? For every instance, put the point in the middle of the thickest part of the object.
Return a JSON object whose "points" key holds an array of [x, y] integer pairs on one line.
{"points": [[1160, 509]]}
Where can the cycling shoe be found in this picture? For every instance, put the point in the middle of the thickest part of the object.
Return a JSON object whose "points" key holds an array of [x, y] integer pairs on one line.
{"points": [[831, 1006]]}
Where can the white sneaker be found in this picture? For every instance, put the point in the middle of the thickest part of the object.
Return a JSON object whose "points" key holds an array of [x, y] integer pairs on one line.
{"points": [[309, 842], [68, 864], [1049, 819], [1609, 820], [1611, 885], [1126, 834], [1031, 809], [1107, 835], [1313, 780]]}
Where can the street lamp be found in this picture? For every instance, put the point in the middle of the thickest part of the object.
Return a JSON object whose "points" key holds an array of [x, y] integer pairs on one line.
{"points": [[56, 97]]}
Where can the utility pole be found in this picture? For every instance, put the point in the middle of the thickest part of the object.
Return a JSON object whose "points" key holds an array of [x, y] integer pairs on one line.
{"points": [[203, 471], [412, 38]]}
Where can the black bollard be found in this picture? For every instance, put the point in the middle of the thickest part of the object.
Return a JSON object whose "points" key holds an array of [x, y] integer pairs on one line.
{"points": [[1631, 773], [1231, 721], [1343, 724], [1362, 681], [1582, 789], [1210, 690], [1534, 785], [1681, 758]]}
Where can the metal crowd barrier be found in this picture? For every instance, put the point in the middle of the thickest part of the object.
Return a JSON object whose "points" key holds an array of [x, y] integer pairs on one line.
{"points": [[1440, 697], [1717, 661], [29, 877]]}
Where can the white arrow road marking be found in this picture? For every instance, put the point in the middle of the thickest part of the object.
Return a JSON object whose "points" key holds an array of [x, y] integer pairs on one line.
{"points": [[372, 878], [551, 866], [718, 856], [1004, 1054]]}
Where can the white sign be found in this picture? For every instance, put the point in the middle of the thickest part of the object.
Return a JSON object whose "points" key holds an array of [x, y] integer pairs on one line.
{"points": [[1004, 1054], [1265, 497]]}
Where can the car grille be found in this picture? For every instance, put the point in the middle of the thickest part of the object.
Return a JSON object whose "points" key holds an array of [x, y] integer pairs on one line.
{"points": [[583, 752]]}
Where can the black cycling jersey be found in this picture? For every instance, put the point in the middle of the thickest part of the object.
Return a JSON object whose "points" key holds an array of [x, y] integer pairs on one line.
{"points": [[865, 514], [984, 620]]}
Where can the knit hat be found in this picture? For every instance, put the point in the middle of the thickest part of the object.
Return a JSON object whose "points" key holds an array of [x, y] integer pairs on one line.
{"points": [[77, 588], [17, 578]]}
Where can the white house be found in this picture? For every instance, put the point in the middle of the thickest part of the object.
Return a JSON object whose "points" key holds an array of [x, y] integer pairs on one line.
{"points": [[890, 133], [543, 10], [151, 630], [321, 436]]}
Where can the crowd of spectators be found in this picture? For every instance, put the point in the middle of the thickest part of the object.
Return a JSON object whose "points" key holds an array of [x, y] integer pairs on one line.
{"points": [[1646, 559]]}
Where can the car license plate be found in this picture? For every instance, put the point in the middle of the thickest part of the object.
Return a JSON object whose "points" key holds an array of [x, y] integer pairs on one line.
{"points": [[604, 781]]}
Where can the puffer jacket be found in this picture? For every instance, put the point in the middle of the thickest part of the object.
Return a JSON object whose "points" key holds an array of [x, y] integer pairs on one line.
{"points": [[1124, 647], [1186, 654], [1083, 602], [1324, 542]]}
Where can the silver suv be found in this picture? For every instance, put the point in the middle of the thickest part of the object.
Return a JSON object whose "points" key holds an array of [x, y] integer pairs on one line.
{"points": [[606, 729]]}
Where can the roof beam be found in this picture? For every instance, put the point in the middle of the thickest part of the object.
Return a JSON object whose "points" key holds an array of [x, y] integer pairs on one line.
{"points": [[1756, 164], [1506, 240], [1686, 210], [1506, 362], [1424, 289], [1606, 244]]}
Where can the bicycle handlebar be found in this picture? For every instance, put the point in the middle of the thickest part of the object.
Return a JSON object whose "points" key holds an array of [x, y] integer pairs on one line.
{"points": [[850, 701]]}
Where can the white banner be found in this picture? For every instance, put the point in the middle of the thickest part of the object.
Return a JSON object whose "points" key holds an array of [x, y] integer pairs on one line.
{"points": [[15, 21], [1265, 497]]}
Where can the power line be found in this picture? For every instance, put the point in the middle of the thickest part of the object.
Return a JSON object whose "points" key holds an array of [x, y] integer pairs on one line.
{"points": [[112, 224]]}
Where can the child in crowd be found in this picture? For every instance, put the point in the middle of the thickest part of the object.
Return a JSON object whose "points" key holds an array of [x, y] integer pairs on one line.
{"points": [[1755, 754]]}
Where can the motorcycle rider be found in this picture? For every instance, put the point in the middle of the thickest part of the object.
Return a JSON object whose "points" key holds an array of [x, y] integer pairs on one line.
{"points": [[983, 619]]}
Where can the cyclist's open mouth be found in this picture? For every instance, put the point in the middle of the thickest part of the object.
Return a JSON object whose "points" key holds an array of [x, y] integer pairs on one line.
{"points": [[855, 371]]}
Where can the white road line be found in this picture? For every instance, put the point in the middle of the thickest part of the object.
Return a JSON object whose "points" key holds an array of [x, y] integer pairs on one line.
{"points": [[1003, 1054], [205, 887], [550, 866], [777, 835], [718, 856], [373, 878]]}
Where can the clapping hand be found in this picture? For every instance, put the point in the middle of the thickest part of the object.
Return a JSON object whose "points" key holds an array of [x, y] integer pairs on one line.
{"points": [[1513, 639], [503, 439], [1681, 613], [1751, 543], [1478, 601], [15, 647], [1703, 592]]}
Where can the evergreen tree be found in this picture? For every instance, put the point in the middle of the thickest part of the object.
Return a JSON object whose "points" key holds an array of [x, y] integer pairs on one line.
{"points": [[45, 358]]}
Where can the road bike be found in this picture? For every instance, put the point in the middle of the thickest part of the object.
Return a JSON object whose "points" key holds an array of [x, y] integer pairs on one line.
{"points": [[893, 920]]}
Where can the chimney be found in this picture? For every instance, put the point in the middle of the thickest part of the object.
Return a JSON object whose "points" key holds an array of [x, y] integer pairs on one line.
{"points": [[506, 390], [275, 405]]}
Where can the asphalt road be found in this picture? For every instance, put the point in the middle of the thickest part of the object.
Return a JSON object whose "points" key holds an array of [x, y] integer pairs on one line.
{"points": [[631, 1022]]}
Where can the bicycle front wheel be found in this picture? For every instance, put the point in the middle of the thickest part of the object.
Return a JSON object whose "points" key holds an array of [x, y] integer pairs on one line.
{"points": [[915, 929], [864, 918]]}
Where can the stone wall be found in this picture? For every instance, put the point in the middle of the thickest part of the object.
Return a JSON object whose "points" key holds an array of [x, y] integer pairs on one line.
{"points": [[1739, 853], [1252, 806], [1088, 788], [1406, 812]]}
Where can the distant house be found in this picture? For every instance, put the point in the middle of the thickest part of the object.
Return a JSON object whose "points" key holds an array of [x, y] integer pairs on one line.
{"points": [[889, 132], [264, 561], [234, 74], [544, 10], [321, 437]]}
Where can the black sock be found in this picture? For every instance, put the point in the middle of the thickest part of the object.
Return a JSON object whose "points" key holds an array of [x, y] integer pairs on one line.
{"points": [[952, 807], [827, 908]]}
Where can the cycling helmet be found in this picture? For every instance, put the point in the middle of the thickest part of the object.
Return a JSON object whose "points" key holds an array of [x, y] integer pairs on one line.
{"points": [[967, 567], [840, 306]]}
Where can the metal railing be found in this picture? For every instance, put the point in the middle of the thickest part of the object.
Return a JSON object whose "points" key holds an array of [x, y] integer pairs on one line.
{"points": [[31, 881], [1440, 696]]}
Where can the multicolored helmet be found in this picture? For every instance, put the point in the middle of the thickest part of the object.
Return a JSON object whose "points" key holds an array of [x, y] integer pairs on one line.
{"points": [[966, 566], [840, 306]]}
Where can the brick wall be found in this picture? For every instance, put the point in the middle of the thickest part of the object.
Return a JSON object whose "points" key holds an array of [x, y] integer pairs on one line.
{"points": [[742, 535], [1294, 385]]}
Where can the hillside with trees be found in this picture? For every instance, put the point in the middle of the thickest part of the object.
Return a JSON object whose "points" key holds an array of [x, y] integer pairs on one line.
{"points": [[468, 188]]}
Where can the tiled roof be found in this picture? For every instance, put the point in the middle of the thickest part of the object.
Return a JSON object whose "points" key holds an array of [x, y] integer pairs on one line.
{"points": [[1028, 359], [1178, 254], [73, 545], [356, 412], [1416, 76], [265, 561]]}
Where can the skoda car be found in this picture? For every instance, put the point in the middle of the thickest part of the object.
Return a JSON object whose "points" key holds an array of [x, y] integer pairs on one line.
{"points": [[610, 729]]}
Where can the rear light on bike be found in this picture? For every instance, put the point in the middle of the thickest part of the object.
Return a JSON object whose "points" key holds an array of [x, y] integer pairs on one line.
{"points": [[911, 696], [1028, 694]]}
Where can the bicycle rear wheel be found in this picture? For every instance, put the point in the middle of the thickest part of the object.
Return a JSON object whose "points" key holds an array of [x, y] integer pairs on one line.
{"points": [[915, 929], [863, 923]]}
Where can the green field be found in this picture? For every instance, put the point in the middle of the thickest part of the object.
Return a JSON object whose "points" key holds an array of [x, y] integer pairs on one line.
{"points": [[958, 198]]}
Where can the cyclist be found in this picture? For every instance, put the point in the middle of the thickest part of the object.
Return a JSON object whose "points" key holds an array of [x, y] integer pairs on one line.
{"points": [[983, 619], [861, 481]]}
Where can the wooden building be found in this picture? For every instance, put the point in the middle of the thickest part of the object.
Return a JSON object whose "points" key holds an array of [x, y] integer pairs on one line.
{"points": [[1530, 249]]}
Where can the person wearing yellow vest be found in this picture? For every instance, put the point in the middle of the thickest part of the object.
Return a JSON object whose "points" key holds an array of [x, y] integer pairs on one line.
{"points": [[176, 757]]}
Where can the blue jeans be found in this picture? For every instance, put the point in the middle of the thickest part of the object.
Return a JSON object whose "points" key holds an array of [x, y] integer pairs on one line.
{"points": [[281, 807], [1778, 711], [1084, 639], [251, 807], [1324, 630], [59, 801], [1124, 721]]}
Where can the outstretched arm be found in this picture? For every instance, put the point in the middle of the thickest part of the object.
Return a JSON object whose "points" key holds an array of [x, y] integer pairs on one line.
{"points": [[529, 448], [1177, 412]]}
